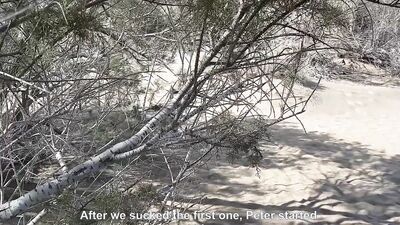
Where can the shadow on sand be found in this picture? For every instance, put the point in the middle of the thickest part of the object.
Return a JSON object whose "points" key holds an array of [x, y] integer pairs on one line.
{"points": [[362, 186], [356, 185]]}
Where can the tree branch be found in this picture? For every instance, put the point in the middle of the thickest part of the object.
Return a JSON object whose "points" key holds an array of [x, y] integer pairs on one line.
{"points": [[389, 3]]}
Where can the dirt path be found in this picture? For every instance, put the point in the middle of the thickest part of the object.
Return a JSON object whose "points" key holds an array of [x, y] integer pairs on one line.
{"points": [[346, 168], [357, 113]]}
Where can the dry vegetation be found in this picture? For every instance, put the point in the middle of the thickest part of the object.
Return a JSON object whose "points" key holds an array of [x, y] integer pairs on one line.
{"points": [[97, 97]]}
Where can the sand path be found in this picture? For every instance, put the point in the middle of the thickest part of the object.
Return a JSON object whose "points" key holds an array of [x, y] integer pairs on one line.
{"points": [[346, 168]]}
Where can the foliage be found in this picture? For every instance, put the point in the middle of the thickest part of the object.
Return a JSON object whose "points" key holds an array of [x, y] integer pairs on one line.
{"points": [[81, 79], [242, 138], [67, 208], [54, 22], [372, 34]]}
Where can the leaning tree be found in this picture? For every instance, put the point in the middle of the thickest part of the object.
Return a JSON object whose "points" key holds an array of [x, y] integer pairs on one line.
{"points": [[64, 63]]}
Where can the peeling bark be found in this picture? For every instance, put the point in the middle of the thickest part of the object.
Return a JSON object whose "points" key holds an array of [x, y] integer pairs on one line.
{"points": [[119, 151]]}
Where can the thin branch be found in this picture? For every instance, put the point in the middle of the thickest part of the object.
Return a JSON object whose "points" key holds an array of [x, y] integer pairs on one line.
{"points": [[24, 82], [389, 3]]}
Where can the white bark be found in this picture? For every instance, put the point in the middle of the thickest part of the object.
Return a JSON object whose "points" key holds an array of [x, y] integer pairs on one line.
{"points": [[61, 161], [54, 187], [38, 217], [128, 148]]}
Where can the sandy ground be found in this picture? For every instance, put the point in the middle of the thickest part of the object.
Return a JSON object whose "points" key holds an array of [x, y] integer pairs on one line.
{"points": [[346, 168]]}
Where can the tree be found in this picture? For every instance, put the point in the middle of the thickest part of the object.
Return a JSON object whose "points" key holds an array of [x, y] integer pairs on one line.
{"points": [[395, 4], [67, 56]]}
